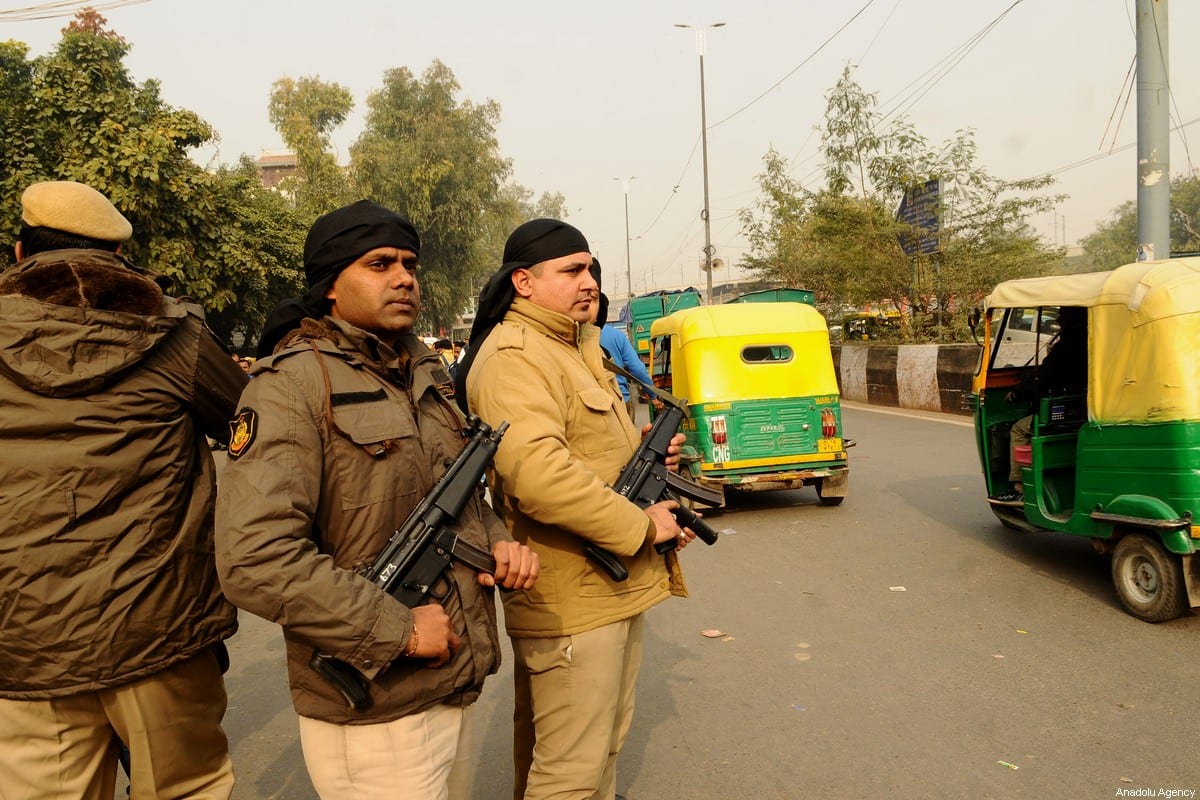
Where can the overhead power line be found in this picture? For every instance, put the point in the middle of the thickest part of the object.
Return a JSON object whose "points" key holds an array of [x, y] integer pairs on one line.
{"points": [[62, 8], [932, 76], [923, 83], [796, 69], [1098, 156], [1126, 91], [675, 188]]}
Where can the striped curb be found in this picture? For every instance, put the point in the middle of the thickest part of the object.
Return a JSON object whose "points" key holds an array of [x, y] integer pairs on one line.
{"points": [[929, 377]]}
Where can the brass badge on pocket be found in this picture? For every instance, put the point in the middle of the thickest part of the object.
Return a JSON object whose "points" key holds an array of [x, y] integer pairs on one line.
{"points": [[242, 430]]}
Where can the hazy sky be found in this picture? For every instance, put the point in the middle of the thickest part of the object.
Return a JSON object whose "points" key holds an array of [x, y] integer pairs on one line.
{"points": [[595, 91]]}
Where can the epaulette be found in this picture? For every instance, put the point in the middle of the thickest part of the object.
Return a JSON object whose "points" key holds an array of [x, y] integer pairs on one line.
{"points": [[508, 337]]}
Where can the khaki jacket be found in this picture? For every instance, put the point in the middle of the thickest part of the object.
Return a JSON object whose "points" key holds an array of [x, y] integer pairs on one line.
{"points": [[340, 437], [568, 440], [106, 482]]}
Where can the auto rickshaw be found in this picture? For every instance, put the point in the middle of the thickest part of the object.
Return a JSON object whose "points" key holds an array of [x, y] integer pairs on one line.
{"points": [[867, 325], [1118, 462], [760, 386]]}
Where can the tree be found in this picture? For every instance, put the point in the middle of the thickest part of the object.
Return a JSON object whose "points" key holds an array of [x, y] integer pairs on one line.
{"points": [[514, 206], [1114, 242], [260, 239], [75, 114], [841, 240], [306, 112], [436, 159]]}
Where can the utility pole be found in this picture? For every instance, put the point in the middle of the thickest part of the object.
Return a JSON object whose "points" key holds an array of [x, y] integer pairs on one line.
{"points": [[628, 262], [708, 248], [1153, 133]]}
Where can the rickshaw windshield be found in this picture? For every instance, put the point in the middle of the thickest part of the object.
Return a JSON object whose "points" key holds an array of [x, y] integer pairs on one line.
{"points": [[1020, 337], [1143, 329]]}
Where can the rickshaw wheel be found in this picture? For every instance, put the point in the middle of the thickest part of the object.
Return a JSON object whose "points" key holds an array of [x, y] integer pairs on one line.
{"points": [[1148, 579], [827, 501]]}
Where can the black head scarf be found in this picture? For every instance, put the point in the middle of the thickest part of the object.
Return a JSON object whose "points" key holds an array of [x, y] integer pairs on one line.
{"points": [[602, 311], [334, 241], [531, 243]]}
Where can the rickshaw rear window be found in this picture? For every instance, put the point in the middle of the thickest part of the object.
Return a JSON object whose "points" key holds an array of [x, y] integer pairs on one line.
{"points": [[768, 353]]}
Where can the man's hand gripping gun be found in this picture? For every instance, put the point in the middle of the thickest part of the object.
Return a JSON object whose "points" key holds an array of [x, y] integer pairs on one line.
{"points": [[420, 551], [646, 480]]}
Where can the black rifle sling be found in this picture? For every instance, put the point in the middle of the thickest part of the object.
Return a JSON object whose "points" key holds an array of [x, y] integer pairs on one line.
{"points": [[661, 394]]}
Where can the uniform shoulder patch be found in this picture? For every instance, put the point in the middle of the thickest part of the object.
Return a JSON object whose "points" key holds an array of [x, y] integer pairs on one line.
{"points": [[509, 337], [242, 430]]}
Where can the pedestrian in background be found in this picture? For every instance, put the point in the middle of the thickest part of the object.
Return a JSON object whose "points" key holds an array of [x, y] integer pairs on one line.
{"points": [[619, 349], [111, 617], [445, 351]]}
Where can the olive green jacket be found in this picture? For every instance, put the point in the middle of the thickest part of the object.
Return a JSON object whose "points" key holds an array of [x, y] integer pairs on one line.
{"points": [[569, 438], [106, 480], [337, 439]]}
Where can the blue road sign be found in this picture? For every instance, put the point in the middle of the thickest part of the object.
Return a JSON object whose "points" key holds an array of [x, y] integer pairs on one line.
{"points": [[920, 209]]}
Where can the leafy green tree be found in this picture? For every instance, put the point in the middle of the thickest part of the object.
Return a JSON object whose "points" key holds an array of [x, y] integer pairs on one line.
{"points": [[436, 159], [841, 240], [75, 114], [516, 205], [1114, 242], [306, 112], [260, 239]]}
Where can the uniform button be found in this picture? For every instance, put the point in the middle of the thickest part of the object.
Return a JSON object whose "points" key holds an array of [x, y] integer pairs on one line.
{"points": [[663, 584], [368, 664]]}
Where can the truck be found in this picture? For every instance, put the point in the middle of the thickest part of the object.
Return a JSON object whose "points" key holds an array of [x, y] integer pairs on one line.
{"points": [[643, 310], [776, 296]]}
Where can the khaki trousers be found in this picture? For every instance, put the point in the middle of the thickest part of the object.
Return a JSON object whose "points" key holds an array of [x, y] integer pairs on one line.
{"points": [[64, 748], [425, 756], [574, 706]]}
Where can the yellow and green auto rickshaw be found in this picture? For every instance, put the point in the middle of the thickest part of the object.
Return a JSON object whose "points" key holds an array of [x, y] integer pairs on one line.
{"points": [[1117, 460], [868, 325], [762, 393]]}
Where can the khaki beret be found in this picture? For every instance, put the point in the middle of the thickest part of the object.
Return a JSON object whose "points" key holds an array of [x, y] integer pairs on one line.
{"points": [[75, 208]]}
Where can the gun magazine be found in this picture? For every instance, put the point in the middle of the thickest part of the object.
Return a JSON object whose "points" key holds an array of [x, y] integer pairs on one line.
{"points": [[607, 562], [343, 677]]}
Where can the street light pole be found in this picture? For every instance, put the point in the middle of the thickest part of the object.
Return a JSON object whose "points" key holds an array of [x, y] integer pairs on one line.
{"points": [[708, 248], [628, 262]]}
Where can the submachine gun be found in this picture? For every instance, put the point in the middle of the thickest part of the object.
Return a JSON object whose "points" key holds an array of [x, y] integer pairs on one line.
{"points": [[646, 480], [420, 551]]}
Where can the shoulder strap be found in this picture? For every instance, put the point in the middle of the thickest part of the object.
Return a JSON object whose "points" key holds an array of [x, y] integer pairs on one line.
{"points": [[661, 394]]}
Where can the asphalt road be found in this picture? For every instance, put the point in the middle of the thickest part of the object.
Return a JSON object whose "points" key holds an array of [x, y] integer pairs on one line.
{"points": [[902, 645]]}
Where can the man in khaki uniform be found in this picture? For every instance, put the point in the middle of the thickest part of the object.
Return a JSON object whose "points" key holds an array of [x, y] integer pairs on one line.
{"points": [[111, 616], [577, 635], [338, 437]]}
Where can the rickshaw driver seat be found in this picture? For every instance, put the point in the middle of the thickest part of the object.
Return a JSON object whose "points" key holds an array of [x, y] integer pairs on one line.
{"points": [[1062, 372]]}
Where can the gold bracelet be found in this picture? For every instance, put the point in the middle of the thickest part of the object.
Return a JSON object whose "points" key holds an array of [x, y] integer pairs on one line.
{"points": [[411, 649]]}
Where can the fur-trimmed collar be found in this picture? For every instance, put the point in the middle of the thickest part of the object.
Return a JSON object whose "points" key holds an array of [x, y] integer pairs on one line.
{"points": [[91, 279]]}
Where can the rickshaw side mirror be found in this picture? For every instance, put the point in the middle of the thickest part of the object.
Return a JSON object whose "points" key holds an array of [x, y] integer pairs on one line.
{"points": [[974, 316]]}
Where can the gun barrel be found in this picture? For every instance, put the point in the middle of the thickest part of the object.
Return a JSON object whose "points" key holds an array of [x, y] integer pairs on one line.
{"points": [[689, 519]]}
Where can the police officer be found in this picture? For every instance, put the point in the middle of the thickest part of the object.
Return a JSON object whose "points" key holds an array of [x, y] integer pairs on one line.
{"points": [[338, 437], [535, 361], [111, 616]]}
